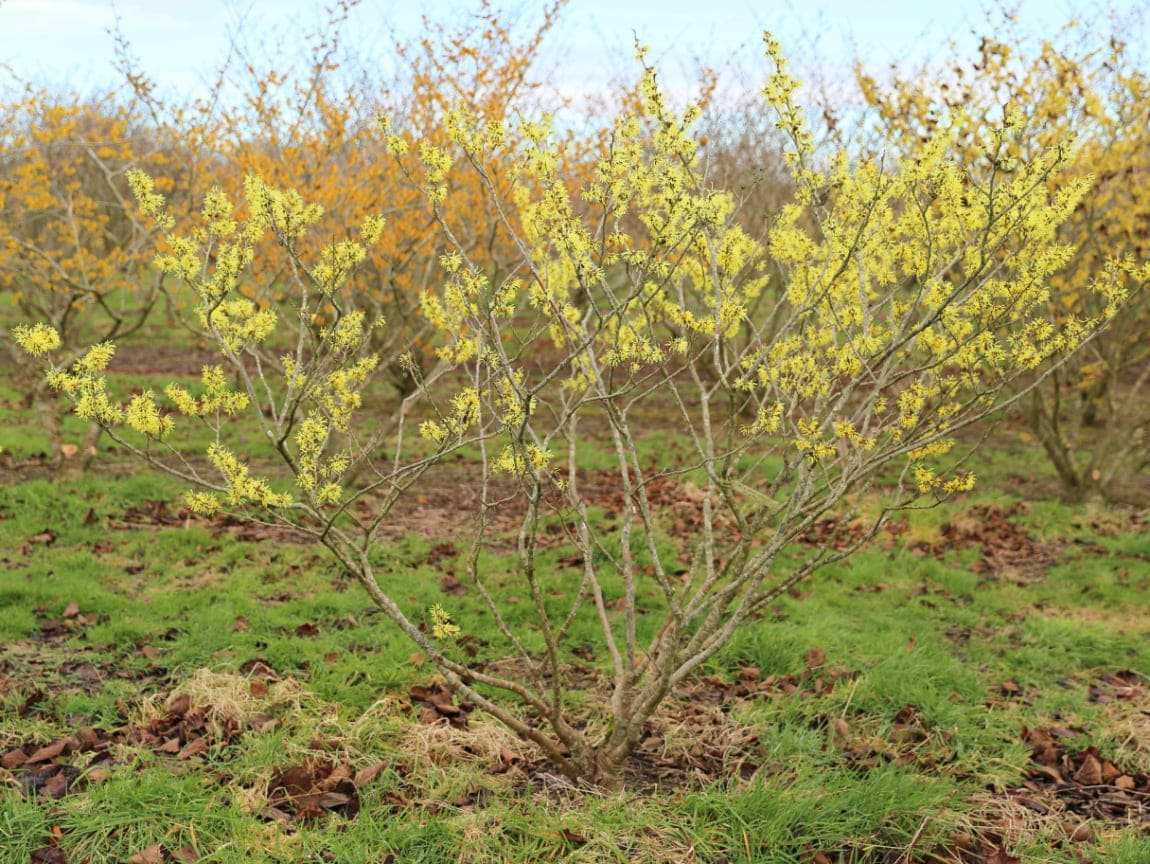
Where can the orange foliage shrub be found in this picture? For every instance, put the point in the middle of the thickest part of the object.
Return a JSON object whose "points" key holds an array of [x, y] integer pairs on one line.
{"points": [[70, 240]]}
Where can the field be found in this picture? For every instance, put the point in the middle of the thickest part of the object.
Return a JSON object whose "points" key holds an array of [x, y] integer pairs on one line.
{"points": [[426, 464], [969, 688]]}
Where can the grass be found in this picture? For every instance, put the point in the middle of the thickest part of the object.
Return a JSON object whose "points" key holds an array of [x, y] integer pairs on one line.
{"points": [[891, 691]]}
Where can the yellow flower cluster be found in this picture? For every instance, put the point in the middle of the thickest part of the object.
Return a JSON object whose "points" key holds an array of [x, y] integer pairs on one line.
{"points": [[217, 397], [520, 461], [238, 322], [464, 413], [283, 211], [36, 339], [87, 387], [442, 627], [340, 394], [312, 470], [243, 489], [144, 416]]}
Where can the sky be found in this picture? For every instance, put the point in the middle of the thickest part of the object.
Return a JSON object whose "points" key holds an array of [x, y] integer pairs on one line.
{"points": [[65, 43]]}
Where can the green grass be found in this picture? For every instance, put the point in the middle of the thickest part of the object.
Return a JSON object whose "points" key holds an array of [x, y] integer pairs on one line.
{"points": [[903, 634]]}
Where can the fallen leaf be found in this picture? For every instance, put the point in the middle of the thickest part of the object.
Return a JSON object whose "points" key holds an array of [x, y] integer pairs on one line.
{"points": [[998, 855], [308, 629], [186, 855], [180, 705], [48, 855], [56, 786], [72, 610], [1080, 833], [1010, 687], [50, 751], [276, 814], [152, 855], [1090, 772], [573, 837], [198, 747], [840, 732], [329, 800], [366, 775], [451, 585]]}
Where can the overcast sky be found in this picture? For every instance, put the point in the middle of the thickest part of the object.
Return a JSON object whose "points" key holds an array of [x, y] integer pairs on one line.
{"points": [[64, 43]]}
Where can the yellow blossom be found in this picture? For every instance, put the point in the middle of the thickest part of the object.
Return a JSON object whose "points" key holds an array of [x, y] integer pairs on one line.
{"points": [[37, 339]]}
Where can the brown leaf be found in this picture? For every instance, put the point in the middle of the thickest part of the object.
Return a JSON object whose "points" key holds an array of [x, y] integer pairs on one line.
{"points": [[1110, 771], [816, 657], [276, 814], [258, 688], [998, 855], [295, 781], [198, 747], [180, 705], [307, 807], [330, 800], [47, 537], [152, 855], [840, 732], [49, 751], [72, 610], [170, 745], [1010, 687], [366, 775], [186, 855], [1080, 833], [1090, 772], [1125, 783], [1041, 741], [450, 585], [55, 786], [48, 855], [308, 629]]}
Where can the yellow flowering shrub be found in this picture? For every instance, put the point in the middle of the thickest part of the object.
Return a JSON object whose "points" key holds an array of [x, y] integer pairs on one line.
{"points": [[1092, 413], [913, 298], [910, 299]]}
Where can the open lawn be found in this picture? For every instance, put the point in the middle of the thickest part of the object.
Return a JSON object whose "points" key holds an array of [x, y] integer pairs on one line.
{"points": [[972, 687]]}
